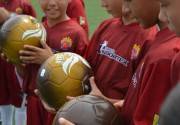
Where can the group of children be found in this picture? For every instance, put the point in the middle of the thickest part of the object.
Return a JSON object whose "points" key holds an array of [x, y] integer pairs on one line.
{"points": [[134, 56]]}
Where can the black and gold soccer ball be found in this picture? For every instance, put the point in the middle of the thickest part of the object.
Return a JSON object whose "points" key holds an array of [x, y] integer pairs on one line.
{"points": [[18, 31], [89, 110], [63, 74]]}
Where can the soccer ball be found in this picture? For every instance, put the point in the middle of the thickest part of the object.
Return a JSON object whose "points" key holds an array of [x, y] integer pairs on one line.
{"points": [[63, 74], [89, 110], [18, 31]]}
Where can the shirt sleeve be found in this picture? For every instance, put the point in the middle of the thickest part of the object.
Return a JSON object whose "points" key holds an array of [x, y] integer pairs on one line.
{"points": [[90, 53], [81, 42], [76, 11], [154, 88], [175, 69]]}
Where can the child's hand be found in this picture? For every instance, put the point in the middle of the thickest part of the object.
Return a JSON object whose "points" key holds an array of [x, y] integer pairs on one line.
{"points": [[119, 104], [63, 121], [3, 56], [46, 106], [95, 90], [4, 15], [36, 55]]}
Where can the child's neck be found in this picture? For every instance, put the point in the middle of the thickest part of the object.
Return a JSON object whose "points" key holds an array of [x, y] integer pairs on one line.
{"points": [[127, 21], [161, 25], [128, 18], [52, 22]]}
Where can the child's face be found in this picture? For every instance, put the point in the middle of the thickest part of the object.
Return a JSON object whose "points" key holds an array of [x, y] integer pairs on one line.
{"points": [[170, 12], [126, 10], [113, 7], [145, 11], [54, 9]]}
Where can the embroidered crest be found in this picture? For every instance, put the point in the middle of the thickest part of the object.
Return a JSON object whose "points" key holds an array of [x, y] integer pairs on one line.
{"points": [[135, 51], [66, 43]]}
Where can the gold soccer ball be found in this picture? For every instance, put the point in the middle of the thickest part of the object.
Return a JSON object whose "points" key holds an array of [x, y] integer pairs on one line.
{"points": [[18, 31], [63, 74]]}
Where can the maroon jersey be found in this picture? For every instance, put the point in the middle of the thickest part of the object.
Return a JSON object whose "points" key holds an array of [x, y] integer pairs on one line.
{"points": [[4, 91], [151, 82], [10, 90], [19, 7], [66, 36], [8, 78], [70, 38], [112, 52], [76, 11], [175, 69]]}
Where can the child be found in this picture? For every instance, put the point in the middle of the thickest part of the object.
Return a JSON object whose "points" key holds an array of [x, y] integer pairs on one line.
{"points": [[115, 49], [76, 11], [151, 81], [63, 35], [170, 9], [10, 89], [19, 7]]}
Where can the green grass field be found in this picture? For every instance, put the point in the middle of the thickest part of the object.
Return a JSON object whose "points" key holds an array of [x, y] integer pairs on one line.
{"points": [[95, 13]]}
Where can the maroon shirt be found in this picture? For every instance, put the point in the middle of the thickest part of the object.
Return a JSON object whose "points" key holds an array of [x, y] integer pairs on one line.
{"points": [[175, 69], [66, 36], [76, 11], [10, 90], [151, 82], [4, 91], [112, 50], [19, 7]]}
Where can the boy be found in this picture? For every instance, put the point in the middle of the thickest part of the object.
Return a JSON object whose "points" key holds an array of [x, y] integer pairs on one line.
{"points": [[63, 35], [170, 9], [19, 7], [115, 49], [151, 81], [10, 89], [76, 11]]}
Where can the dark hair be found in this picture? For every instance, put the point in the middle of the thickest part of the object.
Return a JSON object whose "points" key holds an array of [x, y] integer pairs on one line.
{"points": [[170, 110]]}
